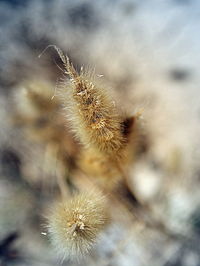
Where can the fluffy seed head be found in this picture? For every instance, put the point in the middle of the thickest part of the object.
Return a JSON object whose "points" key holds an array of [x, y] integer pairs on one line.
{"points": [[93, 114], [75, 224]]}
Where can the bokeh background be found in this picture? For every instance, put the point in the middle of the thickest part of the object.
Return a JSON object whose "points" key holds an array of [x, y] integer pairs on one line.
{"points": [[148, 54]]}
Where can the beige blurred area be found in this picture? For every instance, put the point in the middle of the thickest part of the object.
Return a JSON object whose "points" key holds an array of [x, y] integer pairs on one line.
{"points": [[146, 55]]}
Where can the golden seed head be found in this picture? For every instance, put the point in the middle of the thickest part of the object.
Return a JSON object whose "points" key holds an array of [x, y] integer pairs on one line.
{"points": [[93, 114], [75, 224]]}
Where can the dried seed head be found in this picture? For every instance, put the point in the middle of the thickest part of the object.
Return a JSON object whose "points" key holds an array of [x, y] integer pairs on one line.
{"points": [[93, 114], [75, 224]]}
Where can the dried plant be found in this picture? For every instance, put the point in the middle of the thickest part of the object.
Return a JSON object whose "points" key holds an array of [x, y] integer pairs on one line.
{"points": [[94, 116], [73, 225], [109, 144]]}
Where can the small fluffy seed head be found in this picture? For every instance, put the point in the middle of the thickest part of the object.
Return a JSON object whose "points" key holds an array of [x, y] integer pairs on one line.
{"points": [[74, 225]]}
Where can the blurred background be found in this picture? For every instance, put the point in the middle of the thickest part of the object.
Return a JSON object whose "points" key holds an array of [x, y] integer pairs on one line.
{"points": [[148, 54]]}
